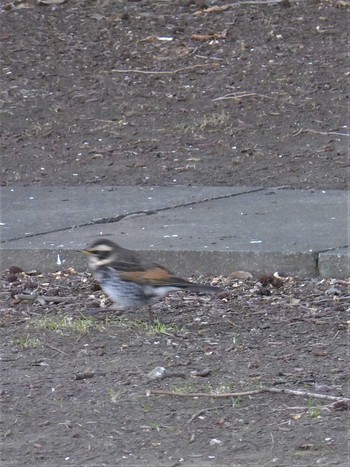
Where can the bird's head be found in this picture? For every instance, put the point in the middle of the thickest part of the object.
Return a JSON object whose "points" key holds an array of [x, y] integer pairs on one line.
{"points": [[101, 252]]}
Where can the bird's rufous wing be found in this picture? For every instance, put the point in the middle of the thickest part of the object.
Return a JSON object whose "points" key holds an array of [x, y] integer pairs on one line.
{"points": [[156, 276]]}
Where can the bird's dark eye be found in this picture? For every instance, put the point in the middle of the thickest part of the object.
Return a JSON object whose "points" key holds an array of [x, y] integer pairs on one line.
{"points": [[103, 254]]}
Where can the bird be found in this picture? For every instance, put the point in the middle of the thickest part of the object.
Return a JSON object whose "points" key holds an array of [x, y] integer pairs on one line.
{"points": [[132, 281]]}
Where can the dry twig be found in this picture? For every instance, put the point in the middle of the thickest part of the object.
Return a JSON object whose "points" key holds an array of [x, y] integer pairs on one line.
{"points": [[46, 298], [160, 392], [240, 95], [55, 348], [310, 130], [167, 72], [220, 9]]}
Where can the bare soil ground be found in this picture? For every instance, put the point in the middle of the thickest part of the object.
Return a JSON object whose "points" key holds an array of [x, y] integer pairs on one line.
{"points": [[159, 92], [78, 384]]}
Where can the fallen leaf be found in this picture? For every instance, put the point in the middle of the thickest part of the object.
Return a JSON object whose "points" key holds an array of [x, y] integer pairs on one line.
{"points": [[340, 405], [213, 9], [276, 282], [84, 375], [297, 416], [22, 6], [97, 156], [209, 37], [342, 4], [306, 446], [320, 353]]}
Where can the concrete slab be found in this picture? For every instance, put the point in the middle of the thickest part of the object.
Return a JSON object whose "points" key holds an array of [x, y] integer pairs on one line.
{"points": [[30, 211], [214, 230], [335, 263]]}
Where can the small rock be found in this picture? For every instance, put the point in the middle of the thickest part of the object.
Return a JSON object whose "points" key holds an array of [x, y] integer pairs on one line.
{"points": [[157, 373], [216, 442], [332, 291], [202, 373]]}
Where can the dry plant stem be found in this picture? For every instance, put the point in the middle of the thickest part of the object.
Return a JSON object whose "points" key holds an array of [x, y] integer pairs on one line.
{"points": [[250, 393], [228, 6], [253, 2], [310, 130], [240, 95], [160, 392], [171, 72], [258, 2], [33, 297], [55, 348]]}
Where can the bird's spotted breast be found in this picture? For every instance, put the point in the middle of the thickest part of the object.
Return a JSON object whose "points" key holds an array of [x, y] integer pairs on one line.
{"points": [[124, 294]]}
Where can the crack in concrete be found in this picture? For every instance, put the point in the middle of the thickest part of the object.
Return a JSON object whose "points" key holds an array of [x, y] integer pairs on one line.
{"points": [[120, 217]]}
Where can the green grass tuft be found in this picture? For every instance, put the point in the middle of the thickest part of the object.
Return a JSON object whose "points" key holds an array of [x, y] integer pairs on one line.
{"points": [[26, 342], [80, 325]]}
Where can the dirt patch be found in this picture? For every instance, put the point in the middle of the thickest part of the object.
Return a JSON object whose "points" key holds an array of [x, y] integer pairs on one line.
{"points": [[76, 387], [139, 92]]}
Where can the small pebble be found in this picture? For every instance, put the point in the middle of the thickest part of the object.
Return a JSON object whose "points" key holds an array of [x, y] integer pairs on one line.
{"points": [[157, 373]]}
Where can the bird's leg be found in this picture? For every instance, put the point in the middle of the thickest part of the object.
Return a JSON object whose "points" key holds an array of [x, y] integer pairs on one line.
{"points": [[150, 313]]}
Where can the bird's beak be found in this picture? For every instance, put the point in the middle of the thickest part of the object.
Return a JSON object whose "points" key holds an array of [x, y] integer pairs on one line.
{"points": [[86, 252]]}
